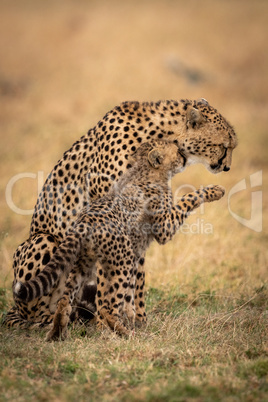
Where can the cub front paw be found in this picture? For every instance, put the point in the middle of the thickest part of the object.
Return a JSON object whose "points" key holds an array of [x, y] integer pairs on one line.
{"points": [[214, 192]]}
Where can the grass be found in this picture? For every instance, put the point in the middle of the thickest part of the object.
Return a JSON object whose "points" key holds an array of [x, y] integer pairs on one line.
{"points": [[62, 68], [194, 346]]}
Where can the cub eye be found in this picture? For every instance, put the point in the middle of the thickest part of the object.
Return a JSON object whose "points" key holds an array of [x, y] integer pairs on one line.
{"points": [[158, 161]]}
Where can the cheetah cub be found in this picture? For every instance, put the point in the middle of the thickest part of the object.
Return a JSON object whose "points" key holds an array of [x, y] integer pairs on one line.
{"points": [[114, 233]]}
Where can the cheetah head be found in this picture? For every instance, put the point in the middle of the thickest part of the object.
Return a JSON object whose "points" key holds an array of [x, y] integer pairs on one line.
{"points": [[208, 138]]}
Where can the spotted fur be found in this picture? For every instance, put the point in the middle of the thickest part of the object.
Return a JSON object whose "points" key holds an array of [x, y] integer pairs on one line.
{"points": [[86, 172], [114, 232]]}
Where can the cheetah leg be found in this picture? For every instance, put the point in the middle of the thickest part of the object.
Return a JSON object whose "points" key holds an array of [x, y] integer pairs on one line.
{"points": [[100, 296], [64, 307], [193, 200], [60, 321], [141, 317], [129, 311], [111, 298], [168, 223]]}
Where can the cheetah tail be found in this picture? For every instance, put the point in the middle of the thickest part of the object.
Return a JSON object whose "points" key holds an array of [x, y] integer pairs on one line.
{"points": [[62, 261]]}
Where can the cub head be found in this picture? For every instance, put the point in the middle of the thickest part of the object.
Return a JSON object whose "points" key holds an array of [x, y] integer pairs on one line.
{"points": [[163, 156], [207, 138]]}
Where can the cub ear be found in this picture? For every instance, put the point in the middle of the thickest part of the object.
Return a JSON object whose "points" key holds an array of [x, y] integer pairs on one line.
{"points": [[194, 118], [155, 158], [202, 101]]}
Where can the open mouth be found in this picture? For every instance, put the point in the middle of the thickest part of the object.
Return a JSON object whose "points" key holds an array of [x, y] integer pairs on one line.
{"points": [[183, 157], [181, 154], [215, 167], [219, 164]]}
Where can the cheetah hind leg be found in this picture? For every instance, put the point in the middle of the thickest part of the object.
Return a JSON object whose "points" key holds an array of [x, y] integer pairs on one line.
{"points": [[60, 321], [109, 316]]}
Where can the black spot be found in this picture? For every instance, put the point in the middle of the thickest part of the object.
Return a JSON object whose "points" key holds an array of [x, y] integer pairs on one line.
{"points": [[37, 256], [28, 277], [46, 259], [30, 266], [139, 275]]}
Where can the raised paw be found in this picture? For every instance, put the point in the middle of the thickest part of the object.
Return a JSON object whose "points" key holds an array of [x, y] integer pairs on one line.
{"points": [[214, 192]]}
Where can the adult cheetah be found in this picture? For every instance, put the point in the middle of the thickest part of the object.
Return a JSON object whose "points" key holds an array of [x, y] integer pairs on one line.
{"points": [[86, 172], [115, 231]]}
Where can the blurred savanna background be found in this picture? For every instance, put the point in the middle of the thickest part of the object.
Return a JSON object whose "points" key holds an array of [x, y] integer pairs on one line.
{"points": [[63, 65]]}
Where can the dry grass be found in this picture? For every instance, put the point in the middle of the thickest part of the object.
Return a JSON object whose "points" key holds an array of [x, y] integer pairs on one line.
{"points": [[189, 350], [62, 67]]}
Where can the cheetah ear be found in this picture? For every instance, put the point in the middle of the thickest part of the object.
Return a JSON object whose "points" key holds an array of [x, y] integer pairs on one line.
{"points": [[194, 118], [155, 158]]}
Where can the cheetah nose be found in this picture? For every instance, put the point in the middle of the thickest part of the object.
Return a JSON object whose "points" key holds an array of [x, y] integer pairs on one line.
{"points": [[226, 169]]}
